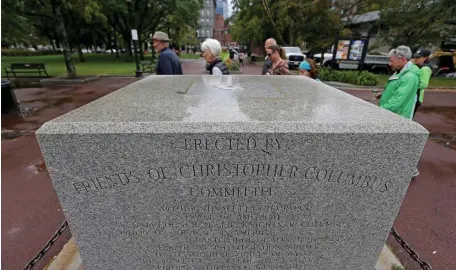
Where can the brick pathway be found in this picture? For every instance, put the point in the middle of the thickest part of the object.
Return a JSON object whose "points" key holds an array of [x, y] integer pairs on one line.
{"points": [[31, 212]]}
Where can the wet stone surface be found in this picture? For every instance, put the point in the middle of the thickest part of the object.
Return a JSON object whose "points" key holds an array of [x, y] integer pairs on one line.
{"points": [[230, 173]]}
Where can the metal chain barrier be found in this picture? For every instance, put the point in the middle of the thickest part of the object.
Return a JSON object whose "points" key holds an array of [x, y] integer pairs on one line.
{"points": [[47, 246], [424, 265]]}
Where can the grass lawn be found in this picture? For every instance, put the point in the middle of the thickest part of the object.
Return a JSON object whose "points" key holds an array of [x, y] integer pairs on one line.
{"points": [[95, 64], [435, 81], [189, 56]]}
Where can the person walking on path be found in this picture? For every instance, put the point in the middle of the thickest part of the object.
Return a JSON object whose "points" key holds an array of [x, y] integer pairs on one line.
{"points": [[399, 95], [421, 59], [267, 61], [241, 58], [309, 69], [211, 50], [168, 62], [278, 64]]}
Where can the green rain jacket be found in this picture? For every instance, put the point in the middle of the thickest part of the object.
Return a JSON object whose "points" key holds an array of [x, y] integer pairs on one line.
{"points": [[425, 76], [399, 95]]}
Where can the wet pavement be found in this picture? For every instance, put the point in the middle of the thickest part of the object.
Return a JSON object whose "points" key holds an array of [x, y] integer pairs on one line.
{"points": [[31, 212]]}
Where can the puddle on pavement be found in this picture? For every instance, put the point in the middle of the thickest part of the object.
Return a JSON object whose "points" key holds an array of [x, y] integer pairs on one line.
{"points": [[37, 168], [445, 111], [447, 140], [14, 134]]}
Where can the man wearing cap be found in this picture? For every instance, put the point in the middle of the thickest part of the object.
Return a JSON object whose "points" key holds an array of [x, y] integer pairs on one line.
{"points": [[168, 62], [421, 59]]}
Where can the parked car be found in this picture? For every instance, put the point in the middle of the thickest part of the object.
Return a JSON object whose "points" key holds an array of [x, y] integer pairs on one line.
{"points": [[326, 61], [373, 63], [294, 56]]}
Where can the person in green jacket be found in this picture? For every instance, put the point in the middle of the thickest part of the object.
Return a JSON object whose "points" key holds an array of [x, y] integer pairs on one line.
{"points": [[399, 95], [421, 59]]}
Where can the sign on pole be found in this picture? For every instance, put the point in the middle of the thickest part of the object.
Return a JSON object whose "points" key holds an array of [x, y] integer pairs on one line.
{"points": [[134, 34]]}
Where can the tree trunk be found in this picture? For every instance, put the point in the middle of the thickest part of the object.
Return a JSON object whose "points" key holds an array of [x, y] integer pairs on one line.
{"points": [[110, 41], [140, 45], [153, 55], [53, 45], [115, 45], [127, 42], [80, 54], [71, 70], [322, 59]]}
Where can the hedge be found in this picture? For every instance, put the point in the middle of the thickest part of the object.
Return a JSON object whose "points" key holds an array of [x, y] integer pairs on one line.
{"points": [[352, 77]]}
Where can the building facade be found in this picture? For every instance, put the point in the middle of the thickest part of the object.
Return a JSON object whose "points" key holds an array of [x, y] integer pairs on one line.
{"points": [[206, 22], [221, 31], [222, 8]]}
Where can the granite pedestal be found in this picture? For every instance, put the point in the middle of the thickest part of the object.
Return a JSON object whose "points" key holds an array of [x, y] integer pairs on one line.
{"points": [[232, 172]]}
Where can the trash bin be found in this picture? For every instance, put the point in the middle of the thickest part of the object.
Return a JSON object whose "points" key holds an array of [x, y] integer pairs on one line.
{"points": [[9, 103], [253, 58]]}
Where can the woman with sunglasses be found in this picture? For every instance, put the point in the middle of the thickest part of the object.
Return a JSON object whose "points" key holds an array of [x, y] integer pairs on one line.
{"points": [[277, 56], [211, 50]]}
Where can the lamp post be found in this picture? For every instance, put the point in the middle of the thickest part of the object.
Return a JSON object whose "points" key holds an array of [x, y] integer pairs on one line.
{"points": [[134, 37]]}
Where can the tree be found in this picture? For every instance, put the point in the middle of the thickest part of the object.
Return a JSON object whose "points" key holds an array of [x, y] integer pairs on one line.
{"points": [[16, 27], [289, 21], [182, 20], [58, 17], [415, 23]]}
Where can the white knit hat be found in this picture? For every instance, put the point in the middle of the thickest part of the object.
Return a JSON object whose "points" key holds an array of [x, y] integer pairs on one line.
{"points": [[212, 45]]}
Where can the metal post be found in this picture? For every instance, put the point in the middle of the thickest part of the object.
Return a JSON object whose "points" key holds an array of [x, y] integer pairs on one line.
{"points": [[138, 71]]}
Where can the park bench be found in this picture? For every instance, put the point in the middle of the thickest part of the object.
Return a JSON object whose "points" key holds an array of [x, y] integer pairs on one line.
{"points": [[22, 68], [147, 66]]}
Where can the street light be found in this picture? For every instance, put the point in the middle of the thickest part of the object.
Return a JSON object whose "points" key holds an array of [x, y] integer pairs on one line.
{"points": [[134, 36]]}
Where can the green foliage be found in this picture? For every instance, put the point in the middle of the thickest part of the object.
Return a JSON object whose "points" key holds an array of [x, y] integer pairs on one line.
{"points": [[352, 77], [397, 267], [232, 65], [7, 52], [290, 22], [415, 23]]}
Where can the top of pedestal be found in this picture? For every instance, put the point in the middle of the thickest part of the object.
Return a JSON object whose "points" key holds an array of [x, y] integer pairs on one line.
{"points": [[195, 104]]}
